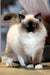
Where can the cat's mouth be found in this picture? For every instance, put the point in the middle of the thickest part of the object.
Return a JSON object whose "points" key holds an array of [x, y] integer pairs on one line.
{"points": [[30, 29]]}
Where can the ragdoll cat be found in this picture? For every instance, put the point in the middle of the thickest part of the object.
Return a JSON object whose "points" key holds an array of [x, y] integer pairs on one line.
{"points": [[25, 40]]}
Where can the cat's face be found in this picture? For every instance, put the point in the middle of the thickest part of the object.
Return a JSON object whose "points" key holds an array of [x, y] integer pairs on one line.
{"points": [[30, 23]]}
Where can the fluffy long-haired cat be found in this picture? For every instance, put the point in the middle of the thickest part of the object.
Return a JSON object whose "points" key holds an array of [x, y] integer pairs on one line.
{"points": [[25, 40]]}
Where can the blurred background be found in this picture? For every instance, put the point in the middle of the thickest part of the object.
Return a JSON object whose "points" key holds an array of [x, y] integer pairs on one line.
{"points": [[13, 6]]}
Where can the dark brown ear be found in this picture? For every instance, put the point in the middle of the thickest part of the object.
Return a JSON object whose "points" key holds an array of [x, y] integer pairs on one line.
{"points": [[38, 16], [21, 16], [9, 16]]}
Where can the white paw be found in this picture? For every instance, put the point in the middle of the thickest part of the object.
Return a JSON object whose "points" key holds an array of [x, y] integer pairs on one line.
{"points": [[30, 66], [39, 66], [9, 62], [8, 65]]}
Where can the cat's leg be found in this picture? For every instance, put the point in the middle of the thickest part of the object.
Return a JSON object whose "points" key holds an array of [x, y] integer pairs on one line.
{"points": [[30, 65], [37, 59], [21, 61], [10, 56]]}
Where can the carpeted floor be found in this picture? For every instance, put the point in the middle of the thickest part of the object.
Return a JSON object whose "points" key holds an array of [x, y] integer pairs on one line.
{"points": [[17, 70]]}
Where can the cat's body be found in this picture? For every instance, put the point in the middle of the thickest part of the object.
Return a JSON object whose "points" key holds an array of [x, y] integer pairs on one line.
{"points": [[27, 46]]}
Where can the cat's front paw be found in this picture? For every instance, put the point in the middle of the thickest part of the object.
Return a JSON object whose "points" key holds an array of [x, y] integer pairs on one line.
{"points": [[38, 66], [29, 66]]}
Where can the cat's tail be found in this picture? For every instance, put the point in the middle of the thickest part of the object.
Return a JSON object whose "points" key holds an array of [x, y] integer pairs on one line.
{"points": [[12, 17], [8, 16]]}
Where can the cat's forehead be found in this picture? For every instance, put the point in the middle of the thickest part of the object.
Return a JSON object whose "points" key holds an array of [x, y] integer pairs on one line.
{"points": [[29, 18]]}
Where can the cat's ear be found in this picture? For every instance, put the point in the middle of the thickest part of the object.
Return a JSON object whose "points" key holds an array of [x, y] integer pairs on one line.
{"points": [[38, 16], [9, 16], [21, 17]]}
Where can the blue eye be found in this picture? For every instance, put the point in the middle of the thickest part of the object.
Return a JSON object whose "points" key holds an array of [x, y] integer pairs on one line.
{"points": [[34, 25]]}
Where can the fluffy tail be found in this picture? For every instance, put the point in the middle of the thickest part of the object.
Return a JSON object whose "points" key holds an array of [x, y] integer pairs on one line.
{"points": [[9, 16]]}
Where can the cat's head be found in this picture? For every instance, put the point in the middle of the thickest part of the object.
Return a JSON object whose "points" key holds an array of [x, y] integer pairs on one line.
{"points": [[28, 23]]}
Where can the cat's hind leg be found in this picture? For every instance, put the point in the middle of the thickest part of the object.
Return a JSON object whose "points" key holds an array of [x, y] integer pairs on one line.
{"points": [[9, 62], [10, 56]]}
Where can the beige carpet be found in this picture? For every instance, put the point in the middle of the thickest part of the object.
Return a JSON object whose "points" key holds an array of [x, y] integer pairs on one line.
{"points": [[17, 70]]}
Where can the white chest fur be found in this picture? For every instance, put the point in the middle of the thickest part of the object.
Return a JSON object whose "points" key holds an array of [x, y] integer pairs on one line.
{"points": [[30, 43]]}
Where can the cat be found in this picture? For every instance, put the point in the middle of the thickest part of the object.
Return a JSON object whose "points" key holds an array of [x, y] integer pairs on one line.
{"points": [[25, 40]]}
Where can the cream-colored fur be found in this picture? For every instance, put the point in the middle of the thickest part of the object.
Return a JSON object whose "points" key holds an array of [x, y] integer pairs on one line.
{"points": [[25, 44]]}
